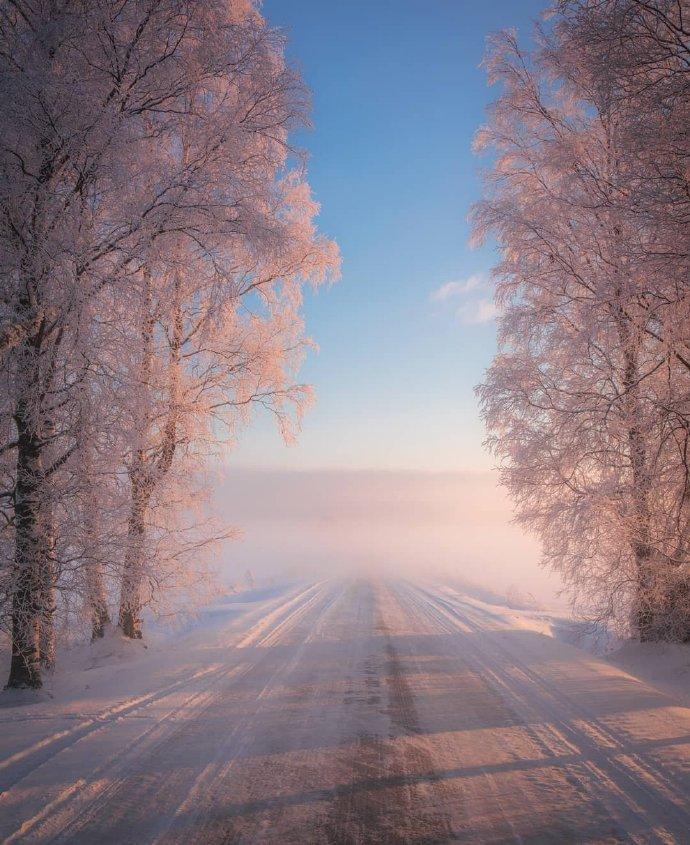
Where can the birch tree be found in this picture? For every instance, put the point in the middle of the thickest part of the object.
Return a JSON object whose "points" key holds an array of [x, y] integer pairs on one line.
{"points": [[584, 402], [212, 343], [98, 99], [641, 51]]}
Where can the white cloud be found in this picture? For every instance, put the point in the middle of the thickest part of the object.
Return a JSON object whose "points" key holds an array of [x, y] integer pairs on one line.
{"points": [[452, 290], [479, 311], [470, 298]]}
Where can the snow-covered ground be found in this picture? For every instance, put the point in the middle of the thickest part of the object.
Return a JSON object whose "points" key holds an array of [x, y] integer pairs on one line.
{"points": [[664, 665], [350, 712]]}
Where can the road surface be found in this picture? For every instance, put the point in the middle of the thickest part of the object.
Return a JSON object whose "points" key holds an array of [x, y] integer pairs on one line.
{"points": [[362, 712]]}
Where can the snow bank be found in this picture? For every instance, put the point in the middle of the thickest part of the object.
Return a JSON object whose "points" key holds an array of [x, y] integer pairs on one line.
{"points": [[90, 674], [665, 666]]}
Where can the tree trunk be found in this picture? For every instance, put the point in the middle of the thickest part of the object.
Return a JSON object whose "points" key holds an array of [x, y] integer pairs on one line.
{"points": [[146, 473], [47, 597], [29, 559], [130, 595], [96, 598], [48, 572], [644, 613], [644, 610], [96, 601]]}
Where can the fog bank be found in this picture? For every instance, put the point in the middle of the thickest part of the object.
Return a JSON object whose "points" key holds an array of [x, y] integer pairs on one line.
{"points": [[336, 522]]}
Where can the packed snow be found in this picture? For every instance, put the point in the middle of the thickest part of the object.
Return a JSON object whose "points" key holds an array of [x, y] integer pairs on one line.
{"points": [[363, 711]]}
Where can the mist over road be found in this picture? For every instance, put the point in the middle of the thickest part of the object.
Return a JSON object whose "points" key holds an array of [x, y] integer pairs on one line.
{"points": [[360, 712]]}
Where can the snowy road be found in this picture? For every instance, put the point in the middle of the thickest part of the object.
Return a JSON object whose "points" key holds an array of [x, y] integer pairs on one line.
{"points": [[358, 712]]}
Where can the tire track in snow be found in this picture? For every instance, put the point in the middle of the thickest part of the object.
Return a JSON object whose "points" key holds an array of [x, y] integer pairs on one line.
{"points": [[236, 741], [104, 779], [17, 765], [79, 815], [71, 798], [400, 806], [638, 793], [588, 723]]}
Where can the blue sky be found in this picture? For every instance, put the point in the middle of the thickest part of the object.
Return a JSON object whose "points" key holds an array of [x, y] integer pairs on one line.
{"points": [[398, 94]]}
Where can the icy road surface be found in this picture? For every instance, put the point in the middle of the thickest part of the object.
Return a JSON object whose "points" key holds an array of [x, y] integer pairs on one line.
{"points": [[361, 712]]}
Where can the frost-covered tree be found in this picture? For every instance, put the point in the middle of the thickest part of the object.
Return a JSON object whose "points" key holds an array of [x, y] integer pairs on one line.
{"points": [[639, 52], [586, 401], [142, 152], [208, 344]]}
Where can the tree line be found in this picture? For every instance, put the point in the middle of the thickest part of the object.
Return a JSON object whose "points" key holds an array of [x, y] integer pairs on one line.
{"points": [[587, 401], [156, 232]]}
